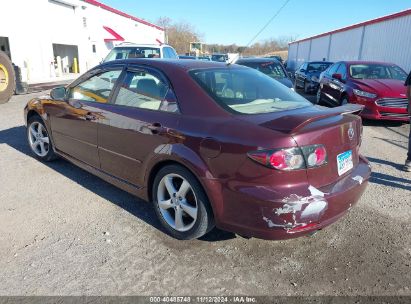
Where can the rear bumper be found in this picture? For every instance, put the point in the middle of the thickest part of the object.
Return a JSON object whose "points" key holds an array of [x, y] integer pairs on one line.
{"points": [[269, 213]]}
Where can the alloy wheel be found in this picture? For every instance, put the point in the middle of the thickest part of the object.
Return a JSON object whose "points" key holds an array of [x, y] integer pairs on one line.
{"points": [[177, 202], [38, 139]]}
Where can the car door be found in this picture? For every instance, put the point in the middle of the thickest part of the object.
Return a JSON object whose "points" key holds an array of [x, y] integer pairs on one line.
{"points": [[336, 86], [300, 75], [74, 122], [327, 85], [139, 123]]}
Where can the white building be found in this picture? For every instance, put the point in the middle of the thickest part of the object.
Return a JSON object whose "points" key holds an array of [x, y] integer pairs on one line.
{"points": [[35, 32], [386, 39]]}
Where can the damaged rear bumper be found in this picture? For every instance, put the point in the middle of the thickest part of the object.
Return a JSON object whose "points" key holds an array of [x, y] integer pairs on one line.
{"points": [[265, 212]]}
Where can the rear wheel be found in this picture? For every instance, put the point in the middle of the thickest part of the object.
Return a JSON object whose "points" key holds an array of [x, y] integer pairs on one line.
{"points": [[7, 78], [181, 204], [39, 139]]}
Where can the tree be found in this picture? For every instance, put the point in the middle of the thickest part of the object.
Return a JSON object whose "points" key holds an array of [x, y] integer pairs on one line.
{"points": [[179, 34]]}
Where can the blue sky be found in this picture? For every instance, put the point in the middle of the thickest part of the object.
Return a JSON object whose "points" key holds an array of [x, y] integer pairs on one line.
{"points": [[237, 21]]}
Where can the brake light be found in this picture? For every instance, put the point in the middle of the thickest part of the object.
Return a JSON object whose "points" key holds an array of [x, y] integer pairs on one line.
{"points": [[315, 155], [292, 158]]}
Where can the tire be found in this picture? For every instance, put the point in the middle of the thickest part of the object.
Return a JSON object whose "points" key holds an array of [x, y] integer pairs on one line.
{"points": [[344, 101], [7, 78], [192, 205], [37, 134]]}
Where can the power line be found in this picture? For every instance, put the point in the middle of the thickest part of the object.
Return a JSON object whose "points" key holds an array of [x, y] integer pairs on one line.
{"points": [[268, 23]]}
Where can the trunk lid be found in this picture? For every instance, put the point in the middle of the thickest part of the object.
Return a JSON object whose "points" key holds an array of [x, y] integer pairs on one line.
{"points": [[338, 129]]}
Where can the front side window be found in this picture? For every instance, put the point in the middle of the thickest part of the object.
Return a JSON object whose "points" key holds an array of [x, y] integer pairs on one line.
{"points": [[144, 90], [333, 69], [169, 53], [247, 91], [377, 71], [97, 88], [342, 70], [270, 68], [119, 53]]}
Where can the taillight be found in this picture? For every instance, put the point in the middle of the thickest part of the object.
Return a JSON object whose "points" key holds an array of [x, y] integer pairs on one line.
{"points": [[292, 158], [315, 155]]}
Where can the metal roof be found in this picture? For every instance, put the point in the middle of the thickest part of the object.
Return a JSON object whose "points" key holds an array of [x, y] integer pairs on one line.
{"points": [[372, 21], [118, 12]]}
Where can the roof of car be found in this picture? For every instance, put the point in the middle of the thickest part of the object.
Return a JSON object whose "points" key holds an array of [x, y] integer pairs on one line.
{"points": [[131, 44], [178, 63], [329, 62], [257, 59], [367, 62]]}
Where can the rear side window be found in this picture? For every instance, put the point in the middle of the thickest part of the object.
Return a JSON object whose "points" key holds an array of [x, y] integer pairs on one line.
{"points": [[97, 88], [141, 89], [247, 91]]}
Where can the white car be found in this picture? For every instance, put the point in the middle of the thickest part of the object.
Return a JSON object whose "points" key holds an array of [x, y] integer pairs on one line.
{"points": [[131, 50]]}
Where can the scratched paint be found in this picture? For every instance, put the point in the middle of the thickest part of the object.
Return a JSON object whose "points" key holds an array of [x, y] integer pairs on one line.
{"points": [[298, 210]]}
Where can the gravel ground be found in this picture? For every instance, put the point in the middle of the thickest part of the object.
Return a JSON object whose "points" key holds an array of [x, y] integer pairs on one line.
{"points": [[66, 232]]}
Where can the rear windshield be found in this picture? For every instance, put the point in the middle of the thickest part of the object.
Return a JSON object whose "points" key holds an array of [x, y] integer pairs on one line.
{"points": [[247, 91], [270, 68], [317, 67], [220, 58], [377, 71], [132, 52]]}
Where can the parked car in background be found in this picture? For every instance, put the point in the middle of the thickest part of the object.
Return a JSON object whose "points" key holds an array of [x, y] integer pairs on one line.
{"points": [[308, 74], [131, 50], [276, 57], [187, 57], [376, 85], [219, 57], [208, 144], [269, 66]]}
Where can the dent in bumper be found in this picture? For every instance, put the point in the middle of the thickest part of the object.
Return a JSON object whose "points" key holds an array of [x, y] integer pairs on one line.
{"points": [[297, 210]]}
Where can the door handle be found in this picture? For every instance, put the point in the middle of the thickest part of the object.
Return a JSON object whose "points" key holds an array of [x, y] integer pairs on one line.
{"points": [[90, 116], [155, 127]]}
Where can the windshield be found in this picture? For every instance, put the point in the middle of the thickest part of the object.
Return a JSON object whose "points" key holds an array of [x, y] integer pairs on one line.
{"points": [[270, 68], [247, 91], [317, 67], [132, 52], [377, 71]]}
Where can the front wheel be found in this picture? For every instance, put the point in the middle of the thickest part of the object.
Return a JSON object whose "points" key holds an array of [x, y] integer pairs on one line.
{"points": [[181, 203], [39, 139]]}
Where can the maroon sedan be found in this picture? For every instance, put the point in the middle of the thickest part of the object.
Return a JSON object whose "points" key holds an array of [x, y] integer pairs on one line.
{"points": [[378, 86], [209, 144]]}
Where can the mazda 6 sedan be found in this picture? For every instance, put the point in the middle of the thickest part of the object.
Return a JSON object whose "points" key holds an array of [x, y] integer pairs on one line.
{"points": [[210, 144]]}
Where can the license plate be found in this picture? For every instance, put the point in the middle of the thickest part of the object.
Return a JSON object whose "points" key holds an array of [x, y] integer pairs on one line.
{"points": [[344, 162]]}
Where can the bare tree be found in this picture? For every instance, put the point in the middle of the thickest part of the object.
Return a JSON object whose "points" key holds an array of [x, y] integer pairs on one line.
{"points": [[179, 34]]}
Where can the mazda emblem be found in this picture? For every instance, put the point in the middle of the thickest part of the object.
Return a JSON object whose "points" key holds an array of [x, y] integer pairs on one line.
{"points": [[351, 133]]}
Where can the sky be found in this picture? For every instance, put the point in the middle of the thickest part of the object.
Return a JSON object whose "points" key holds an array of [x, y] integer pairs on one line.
{"points": [[238, 21]]}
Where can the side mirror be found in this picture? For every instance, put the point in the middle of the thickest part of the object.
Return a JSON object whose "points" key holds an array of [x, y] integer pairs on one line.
{"points": [[58, 93], [337, 76]]}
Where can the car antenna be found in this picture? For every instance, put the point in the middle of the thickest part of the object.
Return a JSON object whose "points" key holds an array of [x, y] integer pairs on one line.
{"points": [[262, 29]]}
